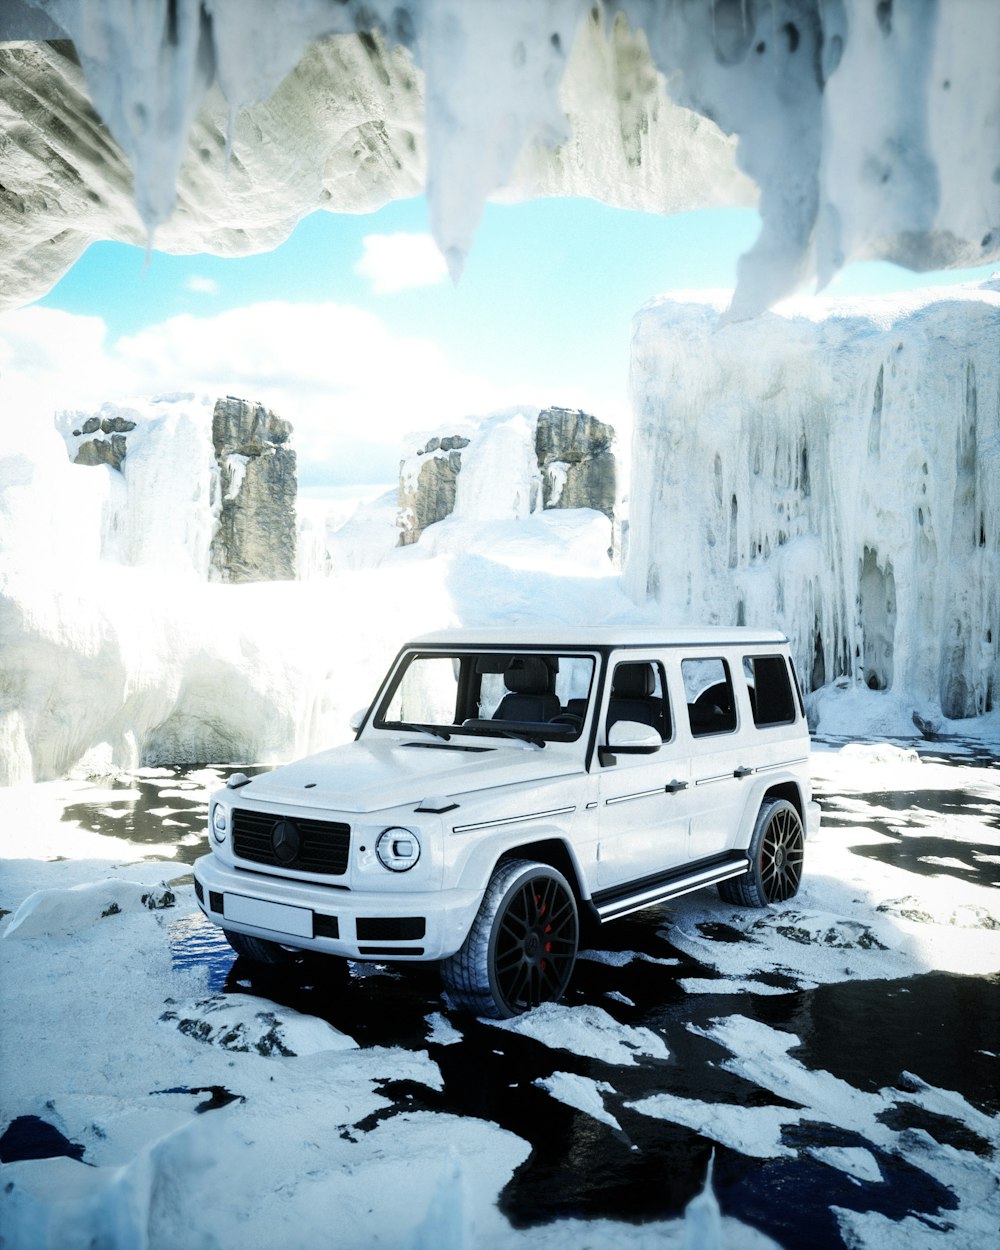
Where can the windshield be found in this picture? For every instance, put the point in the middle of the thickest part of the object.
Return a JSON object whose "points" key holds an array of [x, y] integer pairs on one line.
{"points": [[541, 696]]}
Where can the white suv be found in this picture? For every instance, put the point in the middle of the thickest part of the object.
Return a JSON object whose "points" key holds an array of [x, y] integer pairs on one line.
{"points": [[504, 785]]}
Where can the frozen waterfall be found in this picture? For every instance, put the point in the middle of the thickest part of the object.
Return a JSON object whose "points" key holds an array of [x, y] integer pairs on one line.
{"points": [[834, 468]]}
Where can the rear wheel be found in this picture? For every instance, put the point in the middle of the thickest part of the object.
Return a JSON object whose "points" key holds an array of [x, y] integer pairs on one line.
{"points": [[521, 949], [259, 950], [776, 852]]}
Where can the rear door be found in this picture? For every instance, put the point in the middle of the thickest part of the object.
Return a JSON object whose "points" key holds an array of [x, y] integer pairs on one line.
{"points": [[722, 746]]}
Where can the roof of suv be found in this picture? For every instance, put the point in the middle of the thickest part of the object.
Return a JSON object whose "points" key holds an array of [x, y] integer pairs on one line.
{"points": [[601, 636]]}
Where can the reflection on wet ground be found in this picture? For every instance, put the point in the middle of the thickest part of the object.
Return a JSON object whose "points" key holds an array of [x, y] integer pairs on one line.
{"points": [[940, 1027], [162, 805]]}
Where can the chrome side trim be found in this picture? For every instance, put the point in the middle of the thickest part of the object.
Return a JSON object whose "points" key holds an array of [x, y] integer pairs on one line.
{"points": [[705, 781], [512, 820], [639, 794], [658, 894], [764, 768]]}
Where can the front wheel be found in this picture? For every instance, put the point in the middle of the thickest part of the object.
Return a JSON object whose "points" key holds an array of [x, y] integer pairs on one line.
{"points": [[521, 948], [776, 852], [259, 950]]}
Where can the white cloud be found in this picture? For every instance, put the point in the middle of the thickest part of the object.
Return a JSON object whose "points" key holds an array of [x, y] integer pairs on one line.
{"points": [[399, 262], [201, 285], [351, 389]]}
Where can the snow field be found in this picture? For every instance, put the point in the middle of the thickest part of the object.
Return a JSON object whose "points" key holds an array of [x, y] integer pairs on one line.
{"points": [[116, 1047]]}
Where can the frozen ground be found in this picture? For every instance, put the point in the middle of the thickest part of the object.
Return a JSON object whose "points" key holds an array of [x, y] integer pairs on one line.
{"points": [[837, 1056]]}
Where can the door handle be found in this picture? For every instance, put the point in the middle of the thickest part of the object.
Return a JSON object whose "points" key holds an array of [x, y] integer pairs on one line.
{"points": [[742, 772], [672, 787]]}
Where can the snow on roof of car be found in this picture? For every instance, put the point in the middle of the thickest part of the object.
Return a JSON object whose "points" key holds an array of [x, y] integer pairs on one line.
{"points": [[601, 636]]}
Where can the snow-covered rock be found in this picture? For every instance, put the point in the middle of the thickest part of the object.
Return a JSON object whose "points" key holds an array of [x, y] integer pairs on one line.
{"points": [[869, 130], [833, 468], [509, 465], [60, 911]]}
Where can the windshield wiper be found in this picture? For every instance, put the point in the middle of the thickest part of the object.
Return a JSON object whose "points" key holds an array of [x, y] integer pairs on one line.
{"points": [[421, 729], [493, 728]]}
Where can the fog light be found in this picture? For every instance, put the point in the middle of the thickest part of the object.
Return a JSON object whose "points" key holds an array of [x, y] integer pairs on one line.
{"points": [[397, 849]]}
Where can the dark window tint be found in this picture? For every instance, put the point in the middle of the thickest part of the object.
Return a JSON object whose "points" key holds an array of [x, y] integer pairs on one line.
{"points": [[771, 695], [708, 690]]}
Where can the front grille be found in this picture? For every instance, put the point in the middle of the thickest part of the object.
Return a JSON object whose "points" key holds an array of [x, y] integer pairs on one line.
{"points": [[302, 845]]}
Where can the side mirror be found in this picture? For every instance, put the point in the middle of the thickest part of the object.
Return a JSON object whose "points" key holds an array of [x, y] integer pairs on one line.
{"points": [[358, 719], [629, 737]]}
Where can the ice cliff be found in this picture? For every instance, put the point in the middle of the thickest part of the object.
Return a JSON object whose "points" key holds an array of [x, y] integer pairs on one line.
{"points": [[832, 467], [866, 129]]}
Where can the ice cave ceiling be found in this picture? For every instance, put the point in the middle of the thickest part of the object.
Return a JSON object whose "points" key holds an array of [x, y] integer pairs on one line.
{"points": [[862, 128]]}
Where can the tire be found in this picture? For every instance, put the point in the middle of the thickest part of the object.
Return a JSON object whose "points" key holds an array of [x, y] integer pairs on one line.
{"points": [[259, 950], [776, 852], [521, 948]]}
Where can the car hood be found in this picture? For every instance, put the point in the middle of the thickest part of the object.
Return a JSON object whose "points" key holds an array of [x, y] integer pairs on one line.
{"points": [[371, 776]]}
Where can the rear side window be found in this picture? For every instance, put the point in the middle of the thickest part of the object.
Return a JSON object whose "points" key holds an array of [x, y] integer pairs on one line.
{"points": [[771, 695], [708, 689]]}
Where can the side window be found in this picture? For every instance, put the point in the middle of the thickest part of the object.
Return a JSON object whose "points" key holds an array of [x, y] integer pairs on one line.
{"points": [[708, 689], [771, 695], [638, 693]]}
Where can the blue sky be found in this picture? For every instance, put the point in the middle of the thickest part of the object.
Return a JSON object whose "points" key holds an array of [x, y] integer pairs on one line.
{"points": [[542, 314]]}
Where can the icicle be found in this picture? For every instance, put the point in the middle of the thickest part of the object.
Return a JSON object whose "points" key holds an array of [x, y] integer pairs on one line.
{"points": [[703, 1218]]}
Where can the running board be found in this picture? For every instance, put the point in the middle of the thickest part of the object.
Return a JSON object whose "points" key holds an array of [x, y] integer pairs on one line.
{"points": [[620, 901]]}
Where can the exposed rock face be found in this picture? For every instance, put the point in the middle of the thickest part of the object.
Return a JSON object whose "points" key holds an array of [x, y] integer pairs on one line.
{"points": [[103, 451], [255, 539], [562, 458], [114, 421], [576, 461], [430, 496]]}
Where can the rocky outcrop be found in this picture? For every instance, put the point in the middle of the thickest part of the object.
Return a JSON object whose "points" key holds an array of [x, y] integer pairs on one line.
{"points": [[111, 451], [429, 496], [561, 458], [255, 538], [576, 461]]}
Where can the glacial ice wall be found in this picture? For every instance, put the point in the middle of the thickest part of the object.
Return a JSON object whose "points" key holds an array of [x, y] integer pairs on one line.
{"points": [[868, 129], [834, 468]]}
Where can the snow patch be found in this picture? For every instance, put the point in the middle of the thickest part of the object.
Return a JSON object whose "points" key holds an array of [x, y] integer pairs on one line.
{"points": [[240, 1023], [58, 912], [588, 1031]]}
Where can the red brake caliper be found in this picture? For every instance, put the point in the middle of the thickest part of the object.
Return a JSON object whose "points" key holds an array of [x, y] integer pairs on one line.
{"points": [[548, 928]]}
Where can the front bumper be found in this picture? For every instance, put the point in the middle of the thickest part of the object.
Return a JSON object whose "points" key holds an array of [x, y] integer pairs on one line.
{"points": [[353, 924], [812, 818]]}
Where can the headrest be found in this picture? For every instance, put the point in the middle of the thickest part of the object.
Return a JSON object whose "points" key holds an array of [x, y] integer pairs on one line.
{"points": [[633, 681], [527, 674]]}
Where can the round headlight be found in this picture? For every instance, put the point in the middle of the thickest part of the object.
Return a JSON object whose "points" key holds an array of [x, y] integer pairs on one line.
{"points": [[219, 823], [397, 849]]}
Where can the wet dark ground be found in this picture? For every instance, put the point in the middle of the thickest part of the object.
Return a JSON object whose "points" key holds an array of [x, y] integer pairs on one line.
{"points": [[942, 1028]]}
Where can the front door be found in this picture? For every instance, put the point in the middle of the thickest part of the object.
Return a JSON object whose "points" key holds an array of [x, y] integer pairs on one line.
{"points": [[644, 800]]}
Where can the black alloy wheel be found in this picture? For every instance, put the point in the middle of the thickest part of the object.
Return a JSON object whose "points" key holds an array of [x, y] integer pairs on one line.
{"points": [[521, 949]]}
